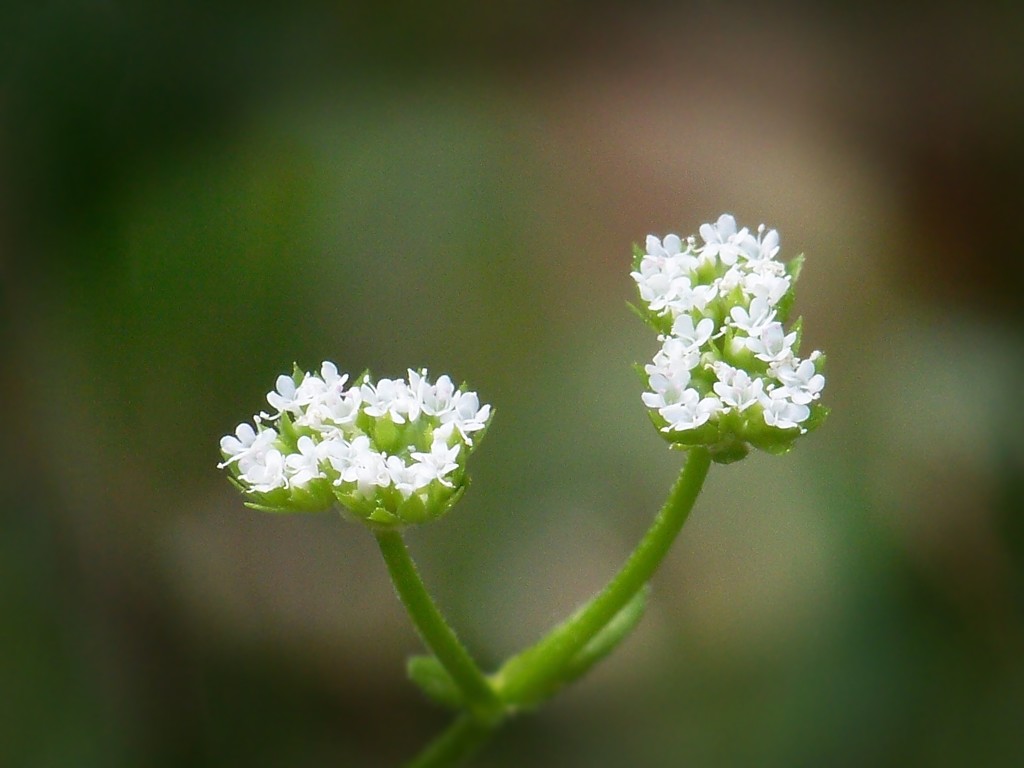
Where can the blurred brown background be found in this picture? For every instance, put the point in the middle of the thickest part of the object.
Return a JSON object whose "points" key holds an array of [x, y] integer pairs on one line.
{"points": [[194, 196]]}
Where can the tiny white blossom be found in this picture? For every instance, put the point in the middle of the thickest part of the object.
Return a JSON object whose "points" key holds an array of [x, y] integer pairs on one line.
{"points": [[246, 445], [467, 414], [766, 285], [438, 463], [692, 338], [433, 399], [666, 390], [674, 358], [781, 412], [337, 409], [304, 466], [669, 255], [370, 472], [722, 240], [656, 286], [326, 403], [336, 439], [690, 412], [736, 388], [752, 320], [283, 398], [767, 245], [392, 397], [404, 477], [345, 457], [773, 345], [267, 473], [803, 384]]}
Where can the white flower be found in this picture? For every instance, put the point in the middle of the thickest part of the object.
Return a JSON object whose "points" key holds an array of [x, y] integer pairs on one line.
{"points": [[692, 338], [801, 381], [325, 402], [690, 412], [674, 358], [304, 466], [333, 435], [467, 414], [344, 457], [767, 245], [732, 285], [370, 472], [283, 398], [752, 320], [684, 297], [405, 478], [665, 390], [392, 397], [337, 409], [722, 240], [664, 250], [267, 473], [767, 285], [773, 344], [246, 446], [669, 255], [331, 378], [781, 412], [656, 285], [438, 463], [732, 279], [433, 399], [736, 388]]}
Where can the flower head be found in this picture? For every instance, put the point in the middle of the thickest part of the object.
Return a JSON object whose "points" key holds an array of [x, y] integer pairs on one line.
{"points": [[389, 452], [728, 374]]}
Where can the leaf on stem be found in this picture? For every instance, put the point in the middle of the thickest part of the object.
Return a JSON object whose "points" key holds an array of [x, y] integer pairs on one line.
{"points": [[434, 680]]}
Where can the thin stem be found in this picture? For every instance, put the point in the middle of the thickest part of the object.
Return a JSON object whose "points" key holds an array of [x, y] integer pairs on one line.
{"points": [[485, 707], [457, 743], [528, 676]]}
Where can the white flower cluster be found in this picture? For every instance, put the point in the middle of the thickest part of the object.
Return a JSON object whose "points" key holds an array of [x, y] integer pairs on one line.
{"points": [[727, 373], [390, 452]]}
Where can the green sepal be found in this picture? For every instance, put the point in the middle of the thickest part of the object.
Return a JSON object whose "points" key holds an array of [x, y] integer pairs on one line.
{"points": [[793, 268], [638, 311], [433, 679], [287, 432], [659, 322], [381, 516], [797, 327], [265, 508], [638, 255], [317, 497], [386, 435], [818, 414]]}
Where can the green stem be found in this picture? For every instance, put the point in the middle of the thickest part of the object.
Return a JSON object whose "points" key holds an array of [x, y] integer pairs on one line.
{"points": [[457, 743], [481, 701], [530, 676]]}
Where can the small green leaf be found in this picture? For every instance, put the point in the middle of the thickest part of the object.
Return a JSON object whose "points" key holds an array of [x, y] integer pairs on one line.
{"points": [[434, 680], [603, 643], [608, 639]]}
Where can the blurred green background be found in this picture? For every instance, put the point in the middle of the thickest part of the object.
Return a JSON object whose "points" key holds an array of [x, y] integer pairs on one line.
{"points": [[193, 196]]}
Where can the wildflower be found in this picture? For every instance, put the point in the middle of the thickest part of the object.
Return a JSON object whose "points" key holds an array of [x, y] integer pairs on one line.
{"points": [[390, 452], [728, 374]]}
